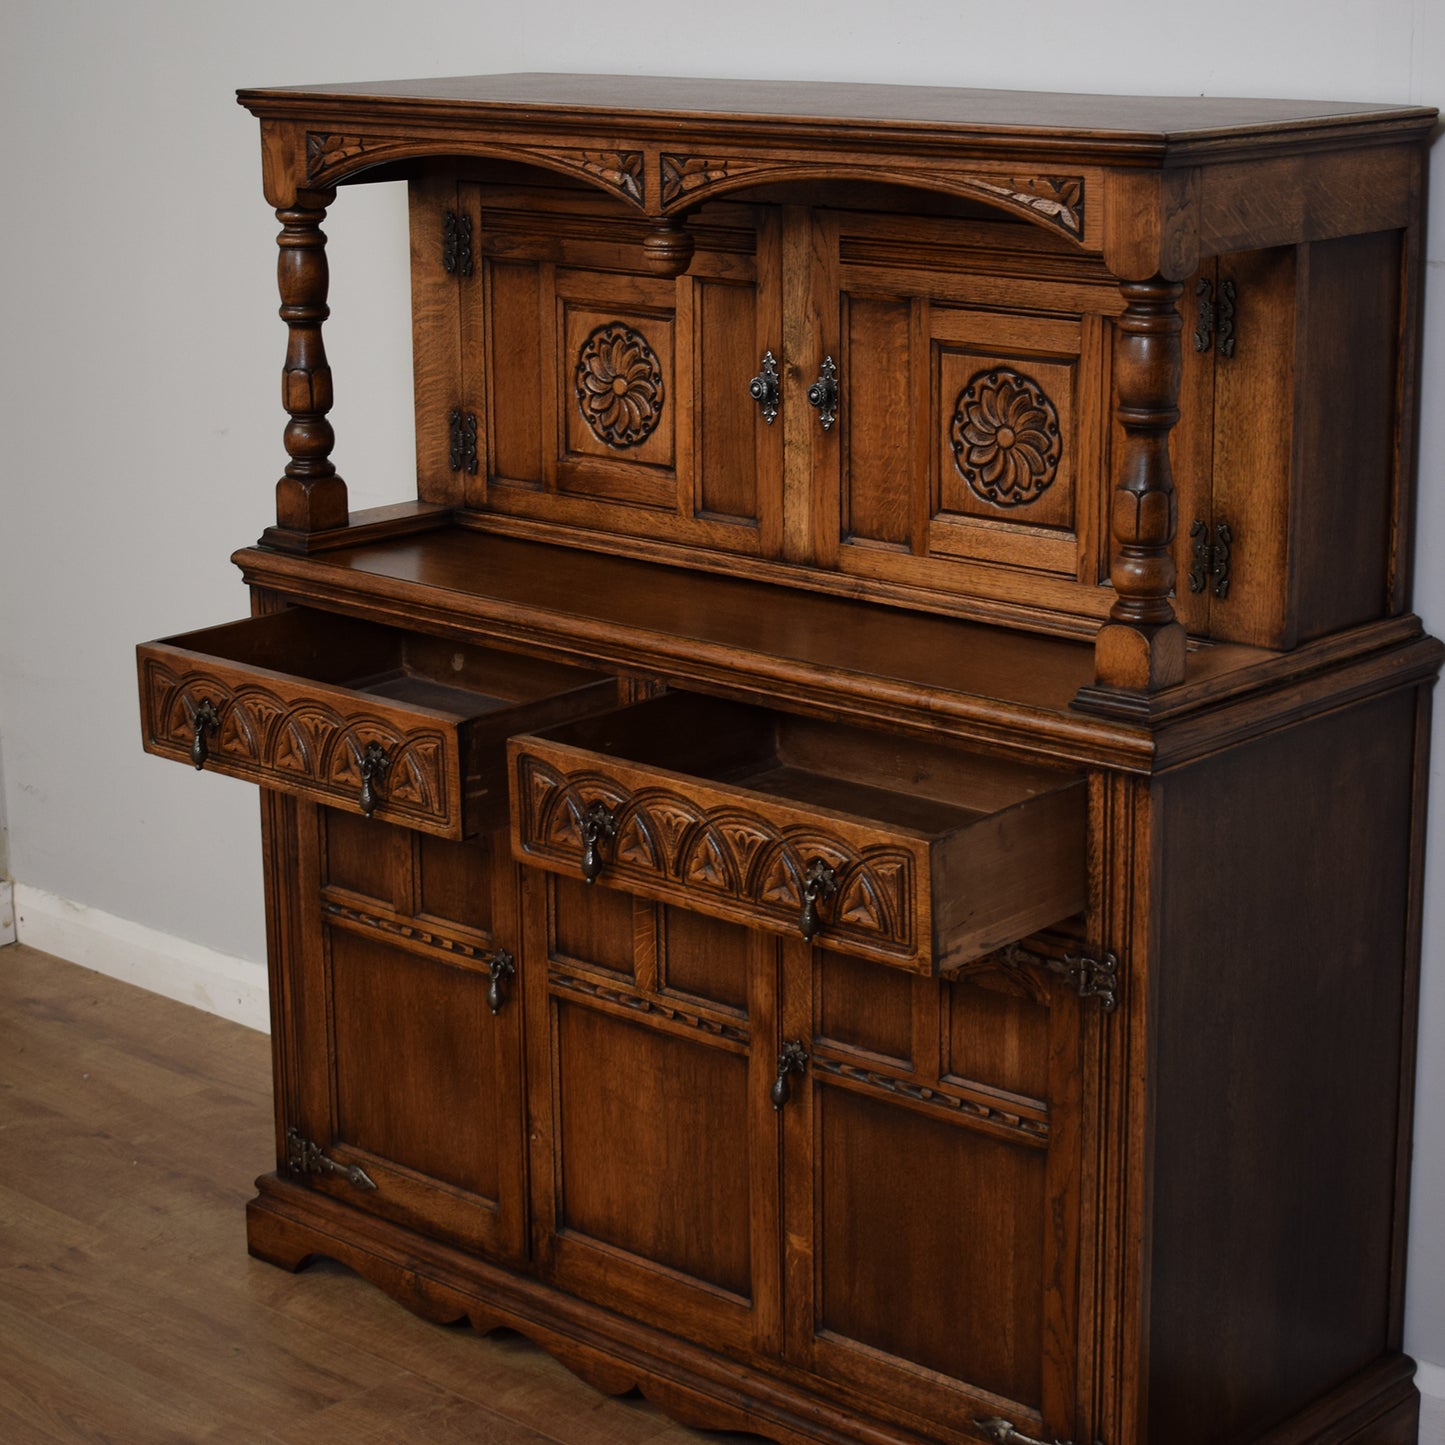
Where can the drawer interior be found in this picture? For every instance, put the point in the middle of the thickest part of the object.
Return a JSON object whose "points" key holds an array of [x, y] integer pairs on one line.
{"points": [[903, 784], [456, 679]]}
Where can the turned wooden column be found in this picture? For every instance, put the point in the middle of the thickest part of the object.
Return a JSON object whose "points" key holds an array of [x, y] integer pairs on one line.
{"points": [[310, 497], [1141, 647]]}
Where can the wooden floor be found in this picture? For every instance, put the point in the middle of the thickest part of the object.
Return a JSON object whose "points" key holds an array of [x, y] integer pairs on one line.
{"points": [[131, 1129]]}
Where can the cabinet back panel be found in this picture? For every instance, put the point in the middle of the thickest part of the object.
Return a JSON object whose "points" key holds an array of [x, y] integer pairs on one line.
{"points": [[632, 1106]]}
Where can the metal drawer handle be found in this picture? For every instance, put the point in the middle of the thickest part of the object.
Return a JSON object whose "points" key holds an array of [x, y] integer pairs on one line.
{"points": [[374, 766], [501, 965], [204, 720], [792, 1060], [763, 388], [599, 825], [820, 883], [823, 394]]}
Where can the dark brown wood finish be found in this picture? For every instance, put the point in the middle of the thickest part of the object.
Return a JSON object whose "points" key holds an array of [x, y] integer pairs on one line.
{"points": [[934, 562]]}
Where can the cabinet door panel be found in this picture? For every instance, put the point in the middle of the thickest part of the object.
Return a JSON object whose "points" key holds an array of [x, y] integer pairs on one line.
{"points": [[406, 1073], [414, 1061], [882, 1239], [932, 1214], [611, 401], [658, 1195], [973, 413], [654, 1151]]}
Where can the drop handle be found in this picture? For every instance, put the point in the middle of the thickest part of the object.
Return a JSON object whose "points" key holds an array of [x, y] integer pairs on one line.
{"points": [[823, 394], [374, 767], [599, 825], [820, 883], [792, 1060], [501, 966], [204, 721], [764, 388]]}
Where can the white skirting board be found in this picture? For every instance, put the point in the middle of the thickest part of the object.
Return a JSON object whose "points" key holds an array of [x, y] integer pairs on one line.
{"points": [[234, 988], [7, 912], [1431, 1382]]}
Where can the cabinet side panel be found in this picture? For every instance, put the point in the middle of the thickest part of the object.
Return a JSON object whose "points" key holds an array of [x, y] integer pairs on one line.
{"points": [[1279, 985], [1346, 417], [436, 336]]}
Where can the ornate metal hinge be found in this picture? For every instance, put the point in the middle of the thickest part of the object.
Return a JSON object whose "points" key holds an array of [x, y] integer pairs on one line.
{"points": [[463, 453], [305, 1157], [457, 244], [1215, 320], [1091, 977], [1002, 1433], [1211, 558]]}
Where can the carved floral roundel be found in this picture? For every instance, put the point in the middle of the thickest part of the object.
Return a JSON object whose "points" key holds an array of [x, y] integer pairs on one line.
{"points": [[619, 385], [1006, 442]]}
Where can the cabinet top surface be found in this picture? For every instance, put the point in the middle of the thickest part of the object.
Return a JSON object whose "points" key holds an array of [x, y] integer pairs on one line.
{"points": [[1157, 120]]}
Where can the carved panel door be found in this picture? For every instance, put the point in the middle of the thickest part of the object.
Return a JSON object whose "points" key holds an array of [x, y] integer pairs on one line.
{"points": [[652, 1037], [408, 1025], [586, 391], [970, 447], [931, 1210]]}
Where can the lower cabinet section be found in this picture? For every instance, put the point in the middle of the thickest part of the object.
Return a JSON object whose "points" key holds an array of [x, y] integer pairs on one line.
{"points": [[859, 1183]]}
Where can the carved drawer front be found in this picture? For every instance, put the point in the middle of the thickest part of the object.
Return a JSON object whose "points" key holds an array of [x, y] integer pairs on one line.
{"points": [[359, 716], [913, 854]]}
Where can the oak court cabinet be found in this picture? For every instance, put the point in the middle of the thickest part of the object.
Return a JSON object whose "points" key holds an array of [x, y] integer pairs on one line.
{"points": [[852, 859]]}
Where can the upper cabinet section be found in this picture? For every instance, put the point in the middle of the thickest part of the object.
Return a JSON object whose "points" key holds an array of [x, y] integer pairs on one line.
{"points": [[1074, 363]]}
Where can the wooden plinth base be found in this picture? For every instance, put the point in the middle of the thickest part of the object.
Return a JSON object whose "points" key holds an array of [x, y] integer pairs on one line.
{"points": [[290, 1226]]}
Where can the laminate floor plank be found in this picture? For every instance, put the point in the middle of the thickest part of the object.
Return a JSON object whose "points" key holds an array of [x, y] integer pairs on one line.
{"points": [[131, 1130]]}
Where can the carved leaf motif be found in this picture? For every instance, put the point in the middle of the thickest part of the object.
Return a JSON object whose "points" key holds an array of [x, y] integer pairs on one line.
{"points": [[673, 819], [636, 843], [779, 881], [622, 170], [327, 152], [1006, 442], [745, 838], [1059, 199], [859, 904], [681, 174], [708, 864]]}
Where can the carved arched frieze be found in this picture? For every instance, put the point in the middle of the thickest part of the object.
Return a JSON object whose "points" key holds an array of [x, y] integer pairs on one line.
{"points": [[335, 157], [731, 855], [266, 734], [1056, 202]]}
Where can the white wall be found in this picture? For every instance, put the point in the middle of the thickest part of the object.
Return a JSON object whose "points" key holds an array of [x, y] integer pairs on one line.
{"points": [[141, 423]]}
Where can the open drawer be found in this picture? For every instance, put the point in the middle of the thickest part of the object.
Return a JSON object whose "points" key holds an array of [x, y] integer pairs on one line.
{"points": [[919, 855], [356, 715]]}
